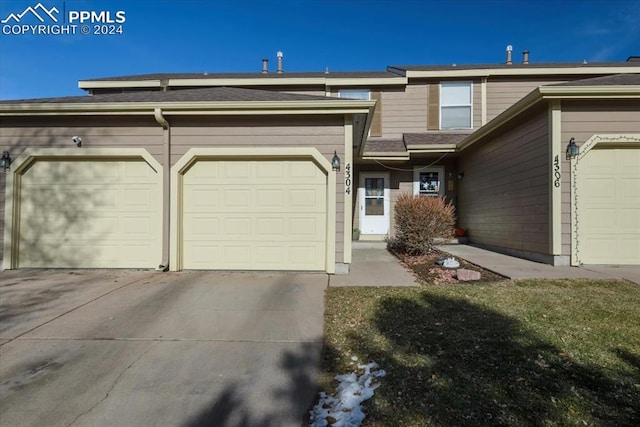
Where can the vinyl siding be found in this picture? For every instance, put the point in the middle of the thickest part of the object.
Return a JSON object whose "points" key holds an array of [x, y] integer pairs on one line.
{"points": [[404, 111], [19, 133], [324, 133], [502, 93], [504, 195], [582, 120]]}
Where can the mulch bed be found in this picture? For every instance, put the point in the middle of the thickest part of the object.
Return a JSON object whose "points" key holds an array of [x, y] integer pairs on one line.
{"points": [[430, 273]]}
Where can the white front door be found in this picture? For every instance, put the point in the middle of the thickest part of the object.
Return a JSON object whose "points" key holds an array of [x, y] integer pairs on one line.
{"points": [[374, 203]]}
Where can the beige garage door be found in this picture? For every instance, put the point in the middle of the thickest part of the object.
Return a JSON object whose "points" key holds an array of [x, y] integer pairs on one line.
{"points": [[90, 214], [254, 215], [609, 206]]}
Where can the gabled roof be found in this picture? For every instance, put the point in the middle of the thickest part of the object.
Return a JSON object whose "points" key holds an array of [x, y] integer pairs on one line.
{"points": [[615, 87]]}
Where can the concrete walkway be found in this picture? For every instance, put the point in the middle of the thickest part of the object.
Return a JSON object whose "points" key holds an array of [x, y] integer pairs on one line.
{"points": [[373, 265], [518, 268]]}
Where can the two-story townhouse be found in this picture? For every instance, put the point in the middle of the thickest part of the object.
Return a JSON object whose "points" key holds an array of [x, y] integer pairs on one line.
{"points": [[273, 170]]}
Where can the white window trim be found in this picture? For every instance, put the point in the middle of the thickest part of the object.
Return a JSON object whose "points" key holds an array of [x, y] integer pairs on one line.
{"points": [[457, 105], [416, 179]]}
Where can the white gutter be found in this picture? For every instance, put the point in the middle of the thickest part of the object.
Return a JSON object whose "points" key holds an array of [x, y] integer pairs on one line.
{"points": [[166, 187]]}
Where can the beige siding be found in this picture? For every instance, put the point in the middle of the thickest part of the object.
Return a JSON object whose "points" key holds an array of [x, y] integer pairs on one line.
{"points": [[376, 121], [324, 133], [504, 196], [404, 110], [502, 93], [581, 120], [401, 181], [476, 109], [16, 134], [433, 103]]}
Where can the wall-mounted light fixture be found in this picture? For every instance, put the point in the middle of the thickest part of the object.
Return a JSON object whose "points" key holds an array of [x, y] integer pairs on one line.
{"points": [[335, 162], [460, 175], [5, 161], [572, 149], [77, 140]]}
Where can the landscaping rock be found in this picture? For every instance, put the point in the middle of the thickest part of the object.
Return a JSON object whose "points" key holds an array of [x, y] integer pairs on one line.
{"points": [[465, 275]]}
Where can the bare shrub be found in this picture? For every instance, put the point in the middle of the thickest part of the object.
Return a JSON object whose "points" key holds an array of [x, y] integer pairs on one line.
{"points": [[419, 220]]}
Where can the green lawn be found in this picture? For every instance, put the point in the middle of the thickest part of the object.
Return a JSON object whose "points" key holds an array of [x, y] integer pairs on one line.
{"points": [[531, 352]]}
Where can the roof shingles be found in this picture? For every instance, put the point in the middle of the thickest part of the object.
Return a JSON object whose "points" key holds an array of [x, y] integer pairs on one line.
{"points": [[210, 94]]}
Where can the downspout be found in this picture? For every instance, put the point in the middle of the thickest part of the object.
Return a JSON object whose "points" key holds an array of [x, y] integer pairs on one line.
{"points": [[166, 187]]}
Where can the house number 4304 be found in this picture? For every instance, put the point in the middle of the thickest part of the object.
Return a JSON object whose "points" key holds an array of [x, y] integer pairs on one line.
{"points": [[347, 178]]}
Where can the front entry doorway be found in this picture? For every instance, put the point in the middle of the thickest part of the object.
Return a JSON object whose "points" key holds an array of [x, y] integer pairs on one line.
{"points": [[374, 204]]}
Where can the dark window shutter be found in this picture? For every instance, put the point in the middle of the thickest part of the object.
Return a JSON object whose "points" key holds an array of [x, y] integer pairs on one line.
{"points": [[376, 121], [433, 110]]}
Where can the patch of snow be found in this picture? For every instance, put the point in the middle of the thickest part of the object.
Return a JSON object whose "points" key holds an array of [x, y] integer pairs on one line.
{"points": [[344, 408], [450, 263]]}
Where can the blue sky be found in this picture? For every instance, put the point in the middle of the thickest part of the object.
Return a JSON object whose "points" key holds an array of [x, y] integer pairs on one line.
{"points": [[343, 35]]}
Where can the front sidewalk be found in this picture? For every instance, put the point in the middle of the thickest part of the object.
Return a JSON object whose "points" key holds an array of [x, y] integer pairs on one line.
{"points": [[373, 265], [518, 268]]}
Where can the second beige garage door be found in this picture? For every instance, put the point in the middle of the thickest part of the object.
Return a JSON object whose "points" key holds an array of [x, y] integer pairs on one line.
{"points": [[609, 206], [254, 215]]}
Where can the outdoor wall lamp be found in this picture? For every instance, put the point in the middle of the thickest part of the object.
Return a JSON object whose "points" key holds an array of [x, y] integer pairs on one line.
{"points": [[460, 175], [5, 161], [572, 149], [335, 162]]}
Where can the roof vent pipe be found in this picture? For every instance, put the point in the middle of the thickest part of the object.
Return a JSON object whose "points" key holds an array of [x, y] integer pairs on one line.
{"points": [[509, 50], [279, 55], [265, 65], [525, 57]]}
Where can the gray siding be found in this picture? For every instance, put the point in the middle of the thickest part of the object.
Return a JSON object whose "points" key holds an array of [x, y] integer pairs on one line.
{"points": [[503, 198]]}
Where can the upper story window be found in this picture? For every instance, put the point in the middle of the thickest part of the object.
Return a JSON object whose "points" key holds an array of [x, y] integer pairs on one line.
{"points": [[366, 94], [354, 93], [456, 105]]}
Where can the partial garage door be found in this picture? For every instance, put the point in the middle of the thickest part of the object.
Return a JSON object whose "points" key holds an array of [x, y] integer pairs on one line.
{"points": [[608, 201], [90, 214], [254, 215]]}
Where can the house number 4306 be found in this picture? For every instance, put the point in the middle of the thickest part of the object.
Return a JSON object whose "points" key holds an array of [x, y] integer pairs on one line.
{"points": [[556, 171], [347, 178]]}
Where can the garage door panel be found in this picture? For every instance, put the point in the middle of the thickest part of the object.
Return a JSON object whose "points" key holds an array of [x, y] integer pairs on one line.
{"points": [[261, 256], [629, 188], [105, 220], [608, 206], [257, 215]]}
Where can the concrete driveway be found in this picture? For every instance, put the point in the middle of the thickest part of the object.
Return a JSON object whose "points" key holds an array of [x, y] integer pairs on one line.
{"points": [[139, 348]]}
